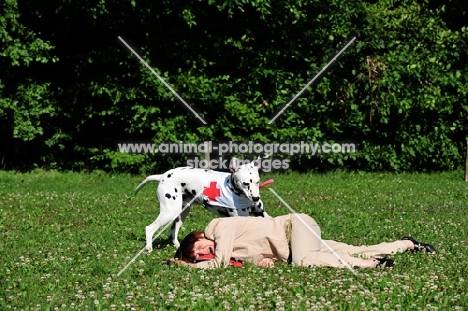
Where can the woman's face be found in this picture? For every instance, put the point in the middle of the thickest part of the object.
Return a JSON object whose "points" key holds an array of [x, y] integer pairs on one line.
{"points": [[203, 247]]}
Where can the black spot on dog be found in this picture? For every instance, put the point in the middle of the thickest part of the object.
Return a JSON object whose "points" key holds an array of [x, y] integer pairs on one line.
{"points": [[223, 213], [194, 192], [169, 176], [183, 184], [175, 189], [174, 197], [168, 195], [187, 192]]}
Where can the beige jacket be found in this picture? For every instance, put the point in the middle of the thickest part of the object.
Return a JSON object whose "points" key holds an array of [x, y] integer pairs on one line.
{"points": [[248, 239]]}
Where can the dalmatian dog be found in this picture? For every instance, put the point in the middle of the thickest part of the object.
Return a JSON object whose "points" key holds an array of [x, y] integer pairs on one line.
{"points": [[224, 194]]}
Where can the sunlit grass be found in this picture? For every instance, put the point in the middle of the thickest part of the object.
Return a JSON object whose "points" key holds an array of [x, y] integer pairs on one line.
{"points": [[64, 237]]}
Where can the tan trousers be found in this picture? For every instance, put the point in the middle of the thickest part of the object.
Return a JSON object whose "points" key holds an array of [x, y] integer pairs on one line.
{"points": [[308, 249]]}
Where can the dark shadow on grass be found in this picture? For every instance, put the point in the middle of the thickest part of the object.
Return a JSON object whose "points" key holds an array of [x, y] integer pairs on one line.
{"points": [[162, 243]]}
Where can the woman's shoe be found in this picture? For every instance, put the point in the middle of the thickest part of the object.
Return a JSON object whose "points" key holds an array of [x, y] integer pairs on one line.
{"points": [[385, 263], [421, 247]]}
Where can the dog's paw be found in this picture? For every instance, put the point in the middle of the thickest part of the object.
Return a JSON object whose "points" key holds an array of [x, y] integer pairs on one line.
{"points": [[176, 244], [149, 248], [259, 214]]}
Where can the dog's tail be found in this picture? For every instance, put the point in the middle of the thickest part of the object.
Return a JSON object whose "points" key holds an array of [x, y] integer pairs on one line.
{"points": [[147, 179]]}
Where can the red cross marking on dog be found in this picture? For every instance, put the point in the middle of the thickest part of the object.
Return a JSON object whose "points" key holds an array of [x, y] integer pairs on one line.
{"points": [[212, 192]]}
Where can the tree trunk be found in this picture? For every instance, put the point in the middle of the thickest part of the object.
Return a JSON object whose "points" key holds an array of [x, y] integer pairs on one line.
{"points": [[466, 165], [207, 154]]}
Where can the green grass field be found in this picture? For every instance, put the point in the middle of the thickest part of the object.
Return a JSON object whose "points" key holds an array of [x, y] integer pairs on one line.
{"points": [[65, 236]]}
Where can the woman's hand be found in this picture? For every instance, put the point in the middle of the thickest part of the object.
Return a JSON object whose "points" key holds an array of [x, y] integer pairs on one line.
{"points": [[181, 262], [266, 262]]}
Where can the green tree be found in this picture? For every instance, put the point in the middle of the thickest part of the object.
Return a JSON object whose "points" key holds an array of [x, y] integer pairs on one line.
{"points": [[399, 92], [25, 100]]}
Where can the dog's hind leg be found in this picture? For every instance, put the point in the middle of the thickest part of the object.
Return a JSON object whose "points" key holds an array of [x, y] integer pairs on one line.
{"points": [[170, 205], [173, 234], [162, 220], [150, 230]]}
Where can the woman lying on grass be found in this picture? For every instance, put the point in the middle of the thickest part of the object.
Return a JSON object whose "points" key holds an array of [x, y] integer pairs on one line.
{"points": [[264, 240]]}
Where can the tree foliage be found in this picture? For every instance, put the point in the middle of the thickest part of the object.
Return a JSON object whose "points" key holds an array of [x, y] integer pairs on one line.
{"points": [[72, 91], [24, 97]]}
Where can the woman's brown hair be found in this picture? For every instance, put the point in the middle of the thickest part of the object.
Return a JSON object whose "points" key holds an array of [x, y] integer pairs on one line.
{"points": [[186, 250]]}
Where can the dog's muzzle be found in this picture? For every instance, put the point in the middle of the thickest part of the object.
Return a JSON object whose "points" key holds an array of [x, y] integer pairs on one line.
{"points": [[255, 199]]}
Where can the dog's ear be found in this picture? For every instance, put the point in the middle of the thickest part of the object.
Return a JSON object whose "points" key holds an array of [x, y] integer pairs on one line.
{"points": [[257, 162], [234, 165]]}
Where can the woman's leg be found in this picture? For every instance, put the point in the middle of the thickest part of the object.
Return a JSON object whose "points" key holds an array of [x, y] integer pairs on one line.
{"points": [[308, 249], [368, 251]]}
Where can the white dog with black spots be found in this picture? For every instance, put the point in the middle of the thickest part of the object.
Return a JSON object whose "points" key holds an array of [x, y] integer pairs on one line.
{"points": [[224, 194]]}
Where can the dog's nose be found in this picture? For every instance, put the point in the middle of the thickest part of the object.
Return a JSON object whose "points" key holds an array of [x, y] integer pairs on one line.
{"points": [[255, 199]]}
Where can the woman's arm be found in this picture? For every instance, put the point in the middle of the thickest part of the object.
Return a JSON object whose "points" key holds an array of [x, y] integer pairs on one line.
{"points": [[181, 262], [203, 264], [223, 231]]}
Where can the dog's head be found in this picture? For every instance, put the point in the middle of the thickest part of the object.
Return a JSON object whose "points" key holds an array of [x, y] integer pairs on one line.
{"points": [[245, 177]]}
